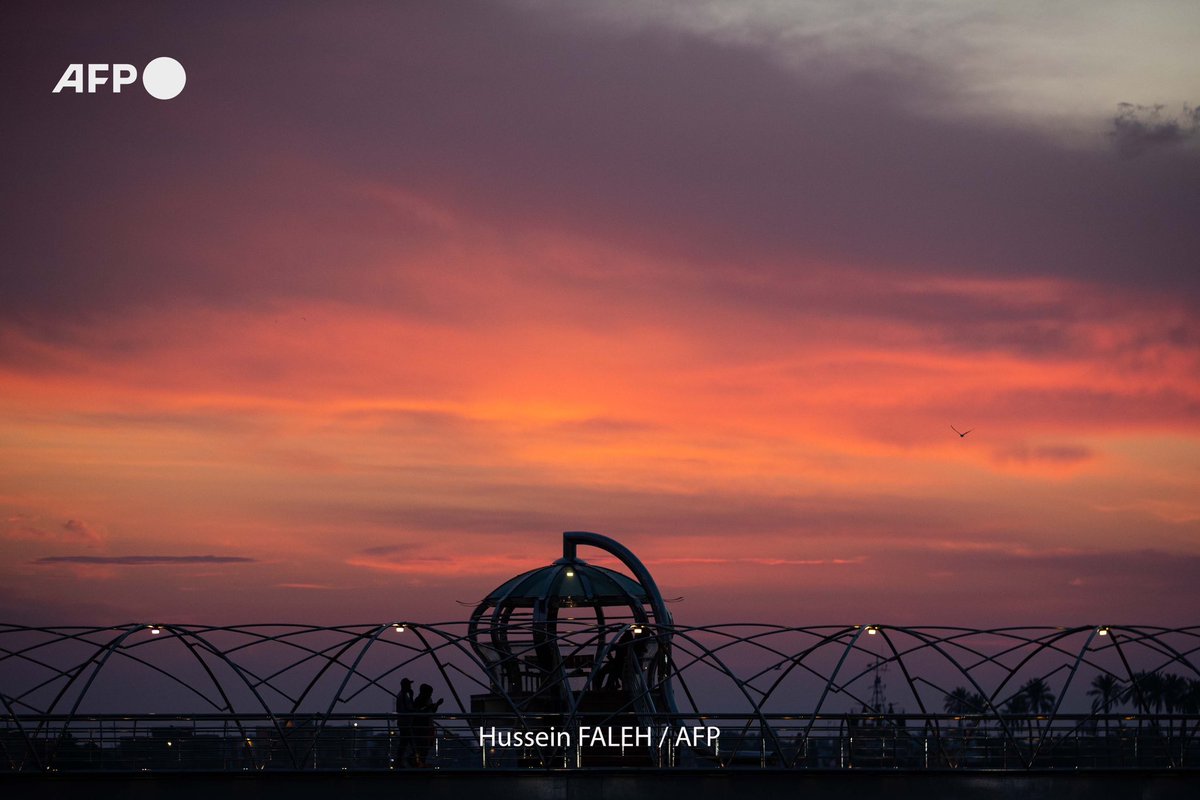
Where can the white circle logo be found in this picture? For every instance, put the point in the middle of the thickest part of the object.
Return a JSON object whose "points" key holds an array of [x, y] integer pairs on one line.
{"points": [[164, 78]]}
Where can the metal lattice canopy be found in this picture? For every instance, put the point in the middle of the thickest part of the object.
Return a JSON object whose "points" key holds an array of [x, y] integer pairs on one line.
{"points": [[576, 640]]}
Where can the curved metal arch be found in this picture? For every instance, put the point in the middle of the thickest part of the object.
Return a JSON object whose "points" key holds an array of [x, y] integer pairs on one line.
{"points": [[330, 661], [572, 539], [936, 645], [793, 662], [858, 632], [1040, 645], [371, 634], [376, 681], [107, 651], [29, 748], [350, 671], [473, 656], [57, 673], [288, 639], [479, 663], [757, 707], [1062, 693], [927, 657], [368, 639], [253, 690], [125, 653], [1156, 643]]}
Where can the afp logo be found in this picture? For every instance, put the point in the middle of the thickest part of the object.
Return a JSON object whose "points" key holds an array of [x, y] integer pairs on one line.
{"points": [[163, 77]]}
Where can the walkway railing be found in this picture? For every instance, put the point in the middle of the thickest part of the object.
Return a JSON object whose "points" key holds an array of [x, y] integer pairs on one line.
{"points": [[216, 742]]}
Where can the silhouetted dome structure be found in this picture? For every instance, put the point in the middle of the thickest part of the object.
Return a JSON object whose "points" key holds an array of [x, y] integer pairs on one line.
{"points": [[573, 636], [569, 583]]}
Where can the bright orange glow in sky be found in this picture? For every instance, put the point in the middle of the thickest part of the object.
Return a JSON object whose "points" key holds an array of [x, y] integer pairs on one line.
{"points": [[345, 356]]}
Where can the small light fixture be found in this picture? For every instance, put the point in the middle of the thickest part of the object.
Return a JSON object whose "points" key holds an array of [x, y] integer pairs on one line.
{"points": [[154, 630], [1103, 631], [872, 630], [637, 630], [570, 572], [398, 627]]}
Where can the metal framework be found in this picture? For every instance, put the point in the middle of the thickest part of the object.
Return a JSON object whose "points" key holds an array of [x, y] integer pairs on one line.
{"points": [[162, 696]]}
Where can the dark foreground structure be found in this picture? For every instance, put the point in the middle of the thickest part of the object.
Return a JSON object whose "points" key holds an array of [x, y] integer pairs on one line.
{"points": [[573, 680], [618, 785]]}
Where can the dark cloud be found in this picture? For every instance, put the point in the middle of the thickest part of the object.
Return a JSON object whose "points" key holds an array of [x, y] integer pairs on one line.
{"points": [[247, 189], [1138, 128], [138, 561]]}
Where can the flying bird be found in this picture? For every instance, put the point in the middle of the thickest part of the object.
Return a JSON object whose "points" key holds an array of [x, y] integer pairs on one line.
{"points": [[961, 433]]}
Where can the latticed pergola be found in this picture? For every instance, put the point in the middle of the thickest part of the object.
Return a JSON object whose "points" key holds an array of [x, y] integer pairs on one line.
{"points": [[573, 643]]}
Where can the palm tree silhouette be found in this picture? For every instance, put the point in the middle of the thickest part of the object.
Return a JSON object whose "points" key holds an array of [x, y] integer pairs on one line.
{"points": [[1154, 692], [1041, 701], [1175, 691], [1017, 708], [979, 705], [1107, 690], [963, 701], [1145, 691], [958, 701], [1190, 704]]}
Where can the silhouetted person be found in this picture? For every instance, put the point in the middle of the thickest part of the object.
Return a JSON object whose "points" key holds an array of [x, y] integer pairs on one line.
{"points": [[406, 750], [612, 674], [423, 732]]}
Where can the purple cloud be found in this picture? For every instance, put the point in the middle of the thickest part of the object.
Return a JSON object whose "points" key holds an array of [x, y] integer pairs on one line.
{"points": [[1137, 128], [710, 154]]}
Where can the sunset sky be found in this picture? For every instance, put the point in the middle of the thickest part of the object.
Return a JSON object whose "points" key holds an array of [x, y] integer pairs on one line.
{"points": [[394, 293]]}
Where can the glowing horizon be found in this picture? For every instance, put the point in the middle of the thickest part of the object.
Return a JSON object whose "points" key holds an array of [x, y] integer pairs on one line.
{"points": [[298, 345]]}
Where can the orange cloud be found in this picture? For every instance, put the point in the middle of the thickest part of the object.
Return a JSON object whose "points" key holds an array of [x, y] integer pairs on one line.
{"points": [[544, 381]]}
